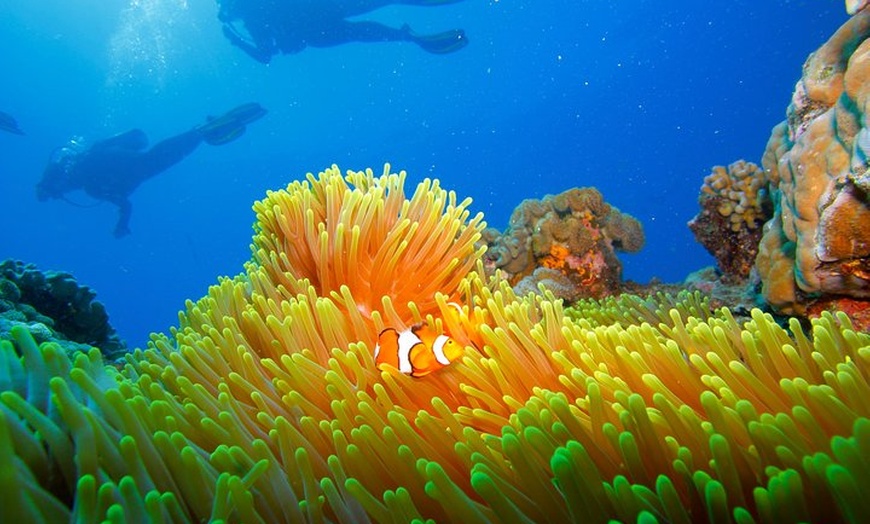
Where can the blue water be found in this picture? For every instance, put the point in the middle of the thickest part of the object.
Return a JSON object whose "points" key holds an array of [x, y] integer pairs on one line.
{"points": [[638, 98]]}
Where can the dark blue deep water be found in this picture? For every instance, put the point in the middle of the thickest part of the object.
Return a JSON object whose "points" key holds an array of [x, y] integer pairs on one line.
{"points": [[638, 98]]}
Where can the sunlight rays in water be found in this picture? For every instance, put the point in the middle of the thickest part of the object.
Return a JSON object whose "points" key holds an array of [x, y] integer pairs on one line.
{"points": [[149, 34]]}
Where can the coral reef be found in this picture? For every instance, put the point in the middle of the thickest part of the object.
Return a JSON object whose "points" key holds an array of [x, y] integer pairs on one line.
{"points": [[857, 310], [575, 233], [740, 190], [54, 306], [740, 296], [817, 244], [550, 279], [853, 6], [734, 204], [265, 404]]}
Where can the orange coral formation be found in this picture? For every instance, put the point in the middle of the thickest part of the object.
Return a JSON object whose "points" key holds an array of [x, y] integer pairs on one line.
{"points": [[575, 232], [811, 159], [556, 258], [584, 269], [845, 222]]}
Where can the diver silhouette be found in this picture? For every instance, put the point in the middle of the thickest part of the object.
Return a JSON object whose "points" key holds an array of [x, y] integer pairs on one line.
{"points": [[111, 169], [289, 26]]}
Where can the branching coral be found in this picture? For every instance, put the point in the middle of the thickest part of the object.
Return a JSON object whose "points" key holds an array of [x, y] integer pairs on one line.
{"points": [[266, 406]]}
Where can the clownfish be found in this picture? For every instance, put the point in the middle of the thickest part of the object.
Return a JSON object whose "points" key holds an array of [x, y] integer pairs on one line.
{"points": [[416, 351]]}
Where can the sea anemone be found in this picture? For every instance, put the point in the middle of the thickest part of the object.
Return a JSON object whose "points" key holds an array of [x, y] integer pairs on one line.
{"points": [[265, 404]]}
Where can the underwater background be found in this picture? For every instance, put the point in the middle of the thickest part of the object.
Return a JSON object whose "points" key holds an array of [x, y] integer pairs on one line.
{"points": [[638, 99]]}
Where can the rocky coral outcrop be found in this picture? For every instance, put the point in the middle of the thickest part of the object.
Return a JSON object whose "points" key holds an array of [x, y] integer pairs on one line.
{"points": [[574, 235], [818, 242], [54, 307], [853, 6], [734, 204]]}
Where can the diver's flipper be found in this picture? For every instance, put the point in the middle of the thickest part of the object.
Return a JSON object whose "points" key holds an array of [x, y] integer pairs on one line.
{"points": [[442, 43], [8, 123], [134, 140], [231, 125]]}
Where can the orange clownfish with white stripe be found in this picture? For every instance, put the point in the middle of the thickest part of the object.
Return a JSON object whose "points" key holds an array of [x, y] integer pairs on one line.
{"points": [[416, 351]]}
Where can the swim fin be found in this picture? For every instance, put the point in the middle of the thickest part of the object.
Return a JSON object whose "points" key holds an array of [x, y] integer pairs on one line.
{"points": [[8, 123], [231, 125], [441, 43]]}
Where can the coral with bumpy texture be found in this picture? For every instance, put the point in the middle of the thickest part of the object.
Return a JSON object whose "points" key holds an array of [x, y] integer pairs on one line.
{"points": [[56, 307], [853, 6], [575, 232], [740, 192], [545, 279], [734, 203], [817, 243]]}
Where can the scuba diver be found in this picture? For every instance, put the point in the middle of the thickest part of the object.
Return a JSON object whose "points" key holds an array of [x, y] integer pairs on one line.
{"points": [[289, 26], [111, 169], [8, 123]]}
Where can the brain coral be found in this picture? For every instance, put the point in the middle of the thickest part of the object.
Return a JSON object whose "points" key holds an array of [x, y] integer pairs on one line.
{"points": [[575, 232], [817, 243], [265, 405]]}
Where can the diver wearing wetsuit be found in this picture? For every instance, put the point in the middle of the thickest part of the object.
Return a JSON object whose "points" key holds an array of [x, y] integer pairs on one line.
{"points": [[289, 26], [111, 169]]}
